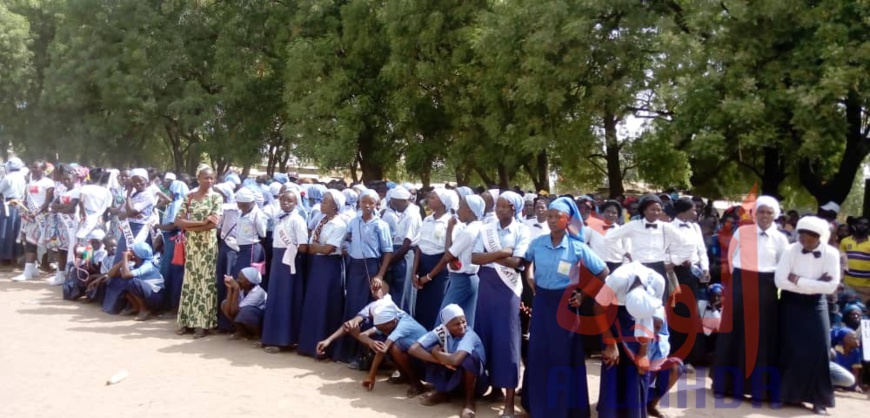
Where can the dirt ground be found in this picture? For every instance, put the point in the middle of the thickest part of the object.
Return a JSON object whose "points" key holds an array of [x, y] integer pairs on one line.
{"points": [[56, 356]]}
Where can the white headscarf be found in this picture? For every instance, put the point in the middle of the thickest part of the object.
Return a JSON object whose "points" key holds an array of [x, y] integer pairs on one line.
{"points": [[139, 172], [338, 197], [450, 312], [816, 225], [770, 202]]}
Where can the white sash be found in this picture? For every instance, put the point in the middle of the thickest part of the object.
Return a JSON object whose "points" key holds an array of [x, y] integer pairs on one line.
{"points": [[441, 332], [291, 249], [88, 225], [34, 211], [71, 228], [128, 233], [510, 277]]}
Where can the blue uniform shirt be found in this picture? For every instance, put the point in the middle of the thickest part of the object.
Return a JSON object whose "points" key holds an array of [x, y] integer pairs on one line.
{"points": [[407, 332], [369, 239], [553, 264], [149, 273], [469, 343]]}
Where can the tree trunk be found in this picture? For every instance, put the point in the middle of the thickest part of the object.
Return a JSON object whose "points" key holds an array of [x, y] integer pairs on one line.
{"points": [[774, 172], [614, 170], [370, 167], [542, 179], [503, 177], [857, 148], [487, 180]]}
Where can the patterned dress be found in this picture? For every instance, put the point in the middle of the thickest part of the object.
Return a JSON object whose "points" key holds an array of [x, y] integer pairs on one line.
{"points": [[198, 308]]}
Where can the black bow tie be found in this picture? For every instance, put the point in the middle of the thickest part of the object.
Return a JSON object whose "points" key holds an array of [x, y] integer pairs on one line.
{"points": [[539, 226], [763, 234], [684, 225], [653, 226], [816, 254], [283, 215], [608, 226]]}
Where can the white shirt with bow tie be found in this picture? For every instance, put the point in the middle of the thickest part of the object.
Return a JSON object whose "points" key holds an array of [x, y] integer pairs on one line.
{"points": [[693, 248], [769, 244], [609, 251], [650, 241], [809, 266]]}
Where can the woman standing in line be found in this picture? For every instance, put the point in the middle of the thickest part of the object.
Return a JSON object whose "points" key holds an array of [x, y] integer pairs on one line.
{"points": [[754, 252], [198, 218]]}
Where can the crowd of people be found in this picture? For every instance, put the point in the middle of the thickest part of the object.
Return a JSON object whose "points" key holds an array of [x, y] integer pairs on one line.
{"points": [[464, 292]]}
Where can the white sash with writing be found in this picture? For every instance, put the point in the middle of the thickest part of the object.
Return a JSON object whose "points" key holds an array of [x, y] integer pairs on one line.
{"points": [[128, 233], [509, 276], [441, 332], [71, 227], [291, 250]]}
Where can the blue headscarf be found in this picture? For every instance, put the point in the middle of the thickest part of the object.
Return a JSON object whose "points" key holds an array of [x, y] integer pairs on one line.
{"points": [[280, 178], [516, 201], [463, 191], [178, 190], [476, 204], [838, 334], [142, 250], [716, 289], [575, 224], [350, 199], [315, 192]]}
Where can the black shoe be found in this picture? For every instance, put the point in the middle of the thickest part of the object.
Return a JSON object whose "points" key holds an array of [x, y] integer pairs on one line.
{"points": [[820, 410]]}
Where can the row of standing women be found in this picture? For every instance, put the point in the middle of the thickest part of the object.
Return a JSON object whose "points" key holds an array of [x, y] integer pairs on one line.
{"points": [[474, 251]]}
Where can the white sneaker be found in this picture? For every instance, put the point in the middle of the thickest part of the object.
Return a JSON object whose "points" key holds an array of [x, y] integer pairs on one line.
{"points": [[57, 280], [23, 277]]}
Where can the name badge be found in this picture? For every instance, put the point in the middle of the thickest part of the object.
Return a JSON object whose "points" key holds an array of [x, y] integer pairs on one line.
{"points": [[564, 267]]}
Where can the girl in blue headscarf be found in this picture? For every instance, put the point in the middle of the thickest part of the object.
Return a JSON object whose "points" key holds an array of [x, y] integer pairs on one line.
{"points": [[551, 271], [499, 252], [173, 274]]}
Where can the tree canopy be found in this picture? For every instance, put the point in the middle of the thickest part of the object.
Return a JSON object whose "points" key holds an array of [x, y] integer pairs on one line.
{"points": [[709, 96]]}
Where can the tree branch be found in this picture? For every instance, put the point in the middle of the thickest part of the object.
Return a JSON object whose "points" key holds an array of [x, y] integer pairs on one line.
{"points": [[596, 165]]}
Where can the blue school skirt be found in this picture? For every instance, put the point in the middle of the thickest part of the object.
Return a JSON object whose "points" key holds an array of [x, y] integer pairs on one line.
{"points": [[226, 262], [173, 276], [250, 316], [75, 285], [357, 296], [324, 302], [286, 291], [398, 275], [248, 254], [497, 323], [556, 369], [430, 296], [623, 392], [10, 228], [113, 296], [446, 380], [153, 299], [462, 290]]}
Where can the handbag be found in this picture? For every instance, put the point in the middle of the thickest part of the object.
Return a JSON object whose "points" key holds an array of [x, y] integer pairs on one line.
{"points": [[261, 266], [178, 253]]}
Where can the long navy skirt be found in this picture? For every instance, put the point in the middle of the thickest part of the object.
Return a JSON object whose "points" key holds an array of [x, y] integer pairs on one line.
{"points": [[744, 307], [324, 303], [357, 296], [462, 290], [497, 323], [173, 276], [248, 254], [448, 381], [284, 305], [556, 385], [430, 296], [683, 344], [623, 391], [251, 317], [398, 275], [10, 227], [804, 332], [226, 262]]}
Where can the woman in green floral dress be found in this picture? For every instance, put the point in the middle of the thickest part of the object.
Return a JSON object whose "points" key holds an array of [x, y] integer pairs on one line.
{"points": [[198, 309]]}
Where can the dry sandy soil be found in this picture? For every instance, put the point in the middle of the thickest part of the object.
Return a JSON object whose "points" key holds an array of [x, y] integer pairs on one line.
{"points": [[56, 356]]}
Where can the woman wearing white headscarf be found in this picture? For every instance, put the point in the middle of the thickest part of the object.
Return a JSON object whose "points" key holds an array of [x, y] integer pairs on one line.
{"points": [[746, 355], [283, 316], [324, 294], [463, 283], [499, 252], [808, 271], [433, 242]]}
